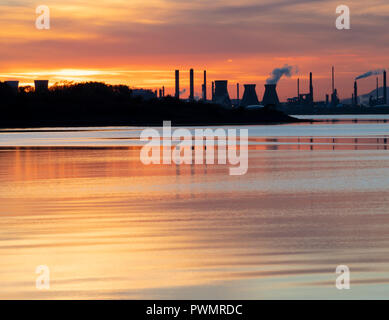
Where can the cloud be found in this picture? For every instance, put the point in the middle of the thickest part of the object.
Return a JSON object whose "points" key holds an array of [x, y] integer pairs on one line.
{"points": [[167, 34]]}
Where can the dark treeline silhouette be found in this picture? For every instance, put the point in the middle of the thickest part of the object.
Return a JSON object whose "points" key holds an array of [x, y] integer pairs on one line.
{"points": [[99, 104]]}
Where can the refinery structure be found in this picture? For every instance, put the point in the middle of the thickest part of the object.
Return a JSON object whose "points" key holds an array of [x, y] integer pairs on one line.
{"points": [[305, 100], [220, 94]]}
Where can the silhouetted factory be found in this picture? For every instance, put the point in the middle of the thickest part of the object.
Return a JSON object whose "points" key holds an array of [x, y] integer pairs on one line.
{"points": [[221, 96], [303, 98], [41, 86], [380, 100]]}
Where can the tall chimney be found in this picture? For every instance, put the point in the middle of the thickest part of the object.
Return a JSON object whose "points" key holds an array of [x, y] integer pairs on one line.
{"points": [[310, 88], [270, 96], [163, 91], [377, 96], [191, 94], [355, 93], [237, 94], [298, 88], [177, 95], [385, 93], [205, 86], [333, 79], [213, 90]]}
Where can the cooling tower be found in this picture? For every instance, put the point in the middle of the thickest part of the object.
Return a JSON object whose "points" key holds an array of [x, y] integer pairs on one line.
{"points": [[270, 96], [221, 94], [41, 85], [14, 85], [177, 94], [249, 96]]}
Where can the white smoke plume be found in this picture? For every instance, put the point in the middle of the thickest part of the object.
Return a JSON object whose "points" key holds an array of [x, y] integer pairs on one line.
{"points": [[278, 73], [370, 73]]}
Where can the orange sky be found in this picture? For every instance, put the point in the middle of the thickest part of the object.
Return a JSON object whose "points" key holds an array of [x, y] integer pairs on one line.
{"points": [[140, 43]]}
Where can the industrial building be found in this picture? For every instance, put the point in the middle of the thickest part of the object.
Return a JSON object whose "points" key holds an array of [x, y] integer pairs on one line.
{"points": [[221, 96], [380, 100], [14, 85], [41, 86], [145, 94], [303, 99]]}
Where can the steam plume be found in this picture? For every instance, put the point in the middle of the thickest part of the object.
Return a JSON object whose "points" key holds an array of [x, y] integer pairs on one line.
{"points": [[369, 74], [277, 73]]}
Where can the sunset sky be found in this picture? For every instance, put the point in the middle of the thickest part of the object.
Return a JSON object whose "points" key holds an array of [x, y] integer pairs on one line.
{"points": [[140, 43]]}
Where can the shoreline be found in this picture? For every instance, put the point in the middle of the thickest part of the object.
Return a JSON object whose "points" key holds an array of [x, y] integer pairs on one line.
{"points": [[81, 124]]}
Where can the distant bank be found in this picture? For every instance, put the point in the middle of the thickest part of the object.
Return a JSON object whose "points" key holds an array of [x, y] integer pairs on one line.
{"points": [[98, 104], [317, 110], [33, 119]]}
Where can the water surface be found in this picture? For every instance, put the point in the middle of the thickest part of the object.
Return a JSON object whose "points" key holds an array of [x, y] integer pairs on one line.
{"points": [[315, 196]]}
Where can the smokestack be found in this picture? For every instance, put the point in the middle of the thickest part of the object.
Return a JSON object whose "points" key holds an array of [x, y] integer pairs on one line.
{"points": [[163, 91], [333, 79], [249, 96], [270, 96], [310, 88], [377, 89], [213, 91], [385, 93], [298, 88], [205, 86], [191, 94], [237, 94], [221, 94], [355, 93], [177, 95]]}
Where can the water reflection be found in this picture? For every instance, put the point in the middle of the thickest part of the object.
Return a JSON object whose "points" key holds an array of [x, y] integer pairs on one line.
{"points": [[110, 227]]}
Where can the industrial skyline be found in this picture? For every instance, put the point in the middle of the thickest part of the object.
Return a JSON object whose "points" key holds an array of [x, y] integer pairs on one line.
{"points": [[220, 93]]}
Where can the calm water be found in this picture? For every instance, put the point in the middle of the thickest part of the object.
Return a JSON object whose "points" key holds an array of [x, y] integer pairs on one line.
{"points": [[80, 201]]}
